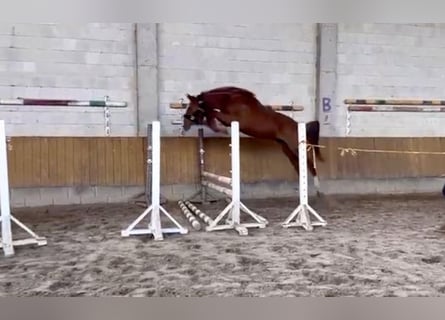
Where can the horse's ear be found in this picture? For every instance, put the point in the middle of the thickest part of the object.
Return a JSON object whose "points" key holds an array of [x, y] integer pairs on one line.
{"points": [[191, 98]]}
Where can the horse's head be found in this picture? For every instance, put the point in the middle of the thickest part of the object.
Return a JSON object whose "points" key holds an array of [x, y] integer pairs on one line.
{"points": [[194, 114]]}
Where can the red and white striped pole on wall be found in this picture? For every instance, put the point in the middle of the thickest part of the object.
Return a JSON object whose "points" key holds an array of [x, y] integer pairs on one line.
{"points": [[63, 102]]}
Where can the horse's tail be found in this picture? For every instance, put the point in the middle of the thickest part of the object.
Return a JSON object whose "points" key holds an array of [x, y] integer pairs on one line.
{"points": [[313, 137]]}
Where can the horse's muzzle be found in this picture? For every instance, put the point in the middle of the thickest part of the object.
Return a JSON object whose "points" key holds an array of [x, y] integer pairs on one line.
{"points": [[185, 127]]}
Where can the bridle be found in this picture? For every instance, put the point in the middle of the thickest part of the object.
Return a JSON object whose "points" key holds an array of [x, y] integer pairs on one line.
{"points": [[193, 117]]}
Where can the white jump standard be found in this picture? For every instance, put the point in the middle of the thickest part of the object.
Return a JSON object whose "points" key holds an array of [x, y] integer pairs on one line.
{"points": [[154, 225], [7, 242], [232, 190], [302, 213]]}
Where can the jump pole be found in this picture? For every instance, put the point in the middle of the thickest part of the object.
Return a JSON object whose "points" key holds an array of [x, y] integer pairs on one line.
{"points": [[189, 215], [275, 107], [397, 102], [301, 215], [391, 106], [63, 102], [207, 220], [154, 223], [7, 242]]}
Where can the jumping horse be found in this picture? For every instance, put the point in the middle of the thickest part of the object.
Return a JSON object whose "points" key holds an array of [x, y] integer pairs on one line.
{"points": [[227, 104]]}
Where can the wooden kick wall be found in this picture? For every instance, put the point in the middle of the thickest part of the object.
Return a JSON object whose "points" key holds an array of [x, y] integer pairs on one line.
{"points": [[52, 162]]}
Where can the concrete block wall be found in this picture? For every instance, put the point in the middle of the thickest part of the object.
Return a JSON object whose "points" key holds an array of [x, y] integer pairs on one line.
{"points": [[82, 61], [390, 61], [276, 61]]}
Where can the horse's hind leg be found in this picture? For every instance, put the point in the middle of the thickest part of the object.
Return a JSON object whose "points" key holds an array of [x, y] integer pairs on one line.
{"points": [[292, 156]]}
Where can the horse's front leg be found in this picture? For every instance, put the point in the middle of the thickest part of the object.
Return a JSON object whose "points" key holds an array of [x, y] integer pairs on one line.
{"points": [[226, 119], [212, 123]]}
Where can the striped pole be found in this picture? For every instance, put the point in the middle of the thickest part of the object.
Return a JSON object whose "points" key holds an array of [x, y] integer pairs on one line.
{"points": [[199, 213], [218, 188], [195, 223], [218, 178], [412, 102], [395, 108], [61, 102], [286, 107], [275, 107]]}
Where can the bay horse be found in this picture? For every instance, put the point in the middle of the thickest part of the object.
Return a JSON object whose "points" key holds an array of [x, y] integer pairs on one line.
{"points": [[227, 104]]}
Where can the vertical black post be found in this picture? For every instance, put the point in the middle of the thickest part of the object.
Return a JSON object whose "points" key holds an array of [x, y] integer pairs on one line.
{"points": [[149, 169], [201, 163], [203, 195]]}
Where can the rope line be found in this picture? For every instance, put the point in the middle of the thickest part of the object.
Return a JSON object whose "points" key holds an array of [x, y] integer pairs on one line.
{"points": [[354, 151]]}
